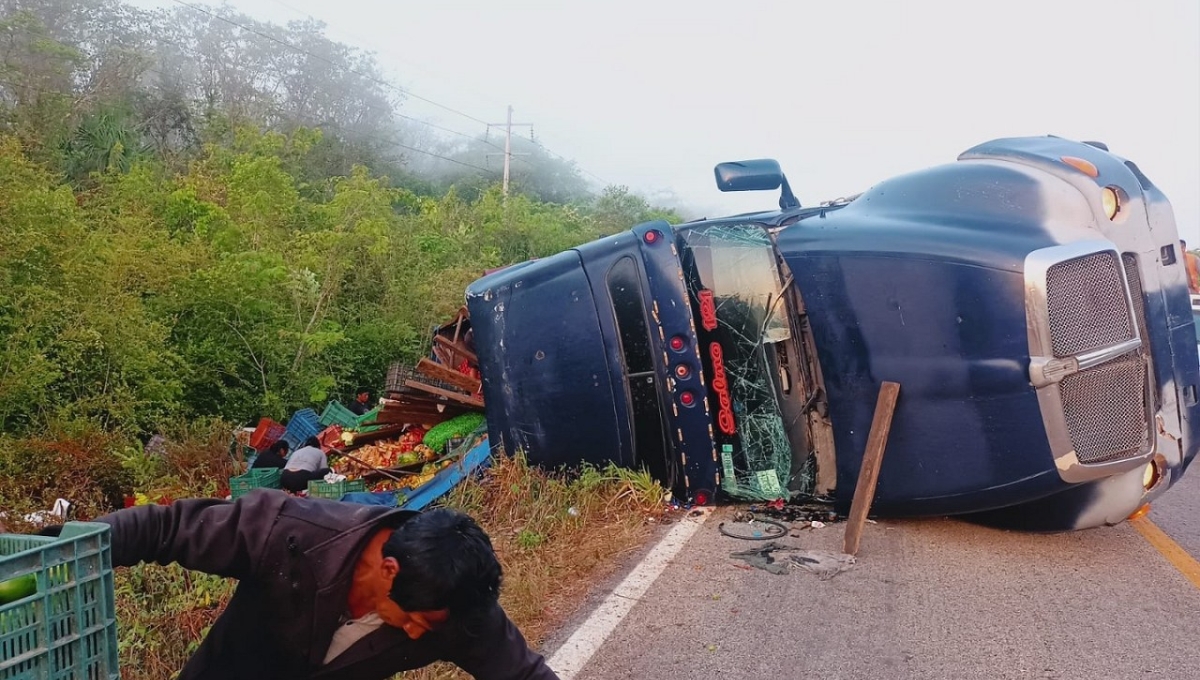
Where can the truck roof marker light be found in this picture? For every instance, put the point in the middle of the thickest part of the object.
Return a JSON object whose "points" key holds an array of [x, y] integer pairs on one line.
{"points": [[683, 372], [687, 398], [653, 236], [678, 343], [1086, 167]]}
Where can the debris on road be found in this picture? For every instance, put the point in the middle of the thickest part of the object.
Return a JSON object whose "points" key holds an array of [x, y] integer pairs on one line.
{"points": [[823, 563], [762, 557], [750, 528]]}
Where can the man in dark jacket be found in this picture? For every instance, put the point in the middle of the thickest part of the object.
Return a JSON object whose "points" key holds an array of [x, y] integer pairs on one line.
{"points": [[274, 457], [332, 590]]}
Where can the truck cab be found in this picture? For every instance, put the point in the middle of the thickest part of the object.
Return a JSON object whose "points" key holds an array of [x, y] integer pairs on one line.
{"points": [[1029, 298]]}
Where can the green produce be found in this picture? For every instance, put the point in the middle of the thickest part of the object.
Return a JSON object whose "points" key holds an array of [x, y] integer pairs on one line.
{"points": [[459, 426], [17, 588]]}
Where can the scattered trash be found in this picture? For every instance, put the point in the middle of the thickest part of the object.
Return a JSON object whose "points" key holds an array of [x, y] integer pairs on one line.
{"points": [[816, 524], [753, 529], [334, 478], [57, 514], [573, 511], [762, 558], [824, 564], [802, 512]]}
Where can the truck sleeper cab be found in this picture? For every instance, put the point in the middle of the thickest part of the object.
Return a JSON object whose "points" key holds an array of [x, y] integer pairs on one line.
{"points": [[1029, 298]]}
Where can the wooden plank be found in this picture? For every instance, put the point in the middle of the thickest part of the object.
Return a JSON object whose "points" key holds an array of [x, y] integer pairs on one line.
{"points": [[443, 355], [414, 397], [448, 375], [385, 432], [419, 416], [456, 349], [868, 476], [452, 396], [458, 322]]}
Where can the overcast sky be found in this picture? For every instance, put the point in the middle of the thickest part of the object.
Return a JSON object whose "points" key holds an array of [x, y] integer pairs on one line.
{"points": [[653, 93]]}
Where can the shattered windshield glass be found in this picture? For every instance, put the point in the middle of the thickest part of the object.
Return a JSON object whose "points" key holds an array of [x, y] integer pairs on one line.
{"points": [[734, 286]]}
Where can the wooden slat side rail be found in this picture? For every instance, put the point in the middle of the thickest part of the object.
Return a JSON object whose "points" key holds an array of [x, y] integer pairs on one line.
{"points": [[457, 349], [452, 396], [868, 476], [448, 375]]}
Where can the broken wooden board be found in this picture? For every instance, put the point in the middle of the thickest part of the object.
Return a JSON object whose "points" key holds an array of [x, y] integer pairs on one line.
{"points": [[868, 477], [448, 375], [473, 402]]}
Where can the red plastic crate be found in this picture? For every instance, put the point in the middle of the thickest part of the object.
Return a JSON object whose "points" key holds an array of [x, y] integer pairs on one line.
{"points": [[330, 438], [268, 432]]}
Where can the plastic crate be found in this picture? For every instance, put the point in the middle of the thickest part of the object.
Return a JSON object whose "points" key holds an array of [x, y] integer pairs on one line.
{"points": [[67, 630], [268, 432], [257, 478], [330, 438], [335, 490], [336, 414], [399, 374], [369, 417], [303, 424]]}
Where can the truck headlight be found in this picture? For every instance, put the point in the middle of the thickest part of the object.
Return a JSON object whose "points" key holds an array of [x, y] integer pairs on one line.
{"points": [[1110, 198]]}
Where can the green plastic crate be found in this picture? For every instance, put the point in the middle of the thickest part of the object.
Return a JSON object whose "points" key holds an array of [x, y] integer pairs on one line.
{"points": [[336, 414], [335, 491], [369, 417], [256, 478], [67, 630]]}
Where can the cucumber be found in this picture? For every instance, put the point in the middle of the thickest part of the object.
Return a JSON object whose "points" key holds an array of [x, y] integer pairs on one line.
{"points": [[17, 588]]}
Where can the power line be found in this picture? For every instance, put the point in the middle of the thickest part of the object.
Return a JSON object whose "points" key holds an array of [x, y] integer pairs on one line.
{"points": [[445, 158]]}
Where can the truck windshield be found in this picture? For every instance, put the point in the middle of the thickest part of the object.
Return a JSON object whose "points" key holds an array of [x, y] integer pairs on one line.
{"points": [[734, 286]]}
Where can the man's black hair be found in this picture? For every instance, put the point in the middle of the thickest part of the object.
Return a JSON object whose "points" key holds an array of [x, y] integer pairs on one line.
{"points": [[280, 447], [313, 441], [446, 562]]}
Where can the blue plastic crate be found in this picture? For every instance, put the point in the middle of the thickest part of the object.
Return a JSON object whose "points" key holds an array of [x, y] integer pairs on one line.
{"points": [[304, 423], [67, 628]]}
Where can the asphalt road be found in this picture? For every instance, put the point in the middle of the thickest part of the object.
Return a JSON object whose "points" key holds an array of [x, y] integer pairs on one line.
{"points": [[927, 599]]}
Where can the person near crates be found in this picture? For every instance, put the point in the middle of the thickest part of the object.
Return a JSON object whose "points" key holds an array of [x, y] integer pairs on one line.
{"points": [[274, 457], [360, 404], [307, 463], [334, 590]]}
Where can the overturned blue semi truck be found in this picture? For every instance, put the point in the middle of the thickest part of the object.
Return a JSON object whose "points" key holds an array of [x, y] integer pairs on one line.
{"points": [[1030, 298]]}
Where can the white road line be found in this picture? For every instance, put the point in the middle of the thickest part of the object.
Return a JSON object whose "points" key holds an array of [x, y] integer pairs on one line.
{"points": [[571, 657]]}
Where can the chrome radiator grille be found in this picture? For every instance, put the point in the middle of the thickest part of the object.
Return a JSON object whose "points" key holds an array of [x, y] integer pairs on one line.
{"points": [[1086, 301], [1101, 403], [1106, 410]]}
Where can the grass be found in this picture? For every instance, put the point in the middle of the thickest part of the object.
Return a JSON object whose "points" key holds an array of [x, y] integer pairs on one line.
{"points": [[555, 535]]}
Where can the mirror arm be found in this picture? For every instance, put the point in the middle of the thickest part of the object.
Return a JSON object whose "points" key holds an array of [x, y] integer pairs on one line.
{"points": [[787, 199]]}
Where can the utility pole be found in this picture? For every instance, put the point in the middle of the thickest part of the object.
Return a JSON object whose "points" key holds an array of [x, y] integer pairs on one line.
{"points": [[508, 154]]}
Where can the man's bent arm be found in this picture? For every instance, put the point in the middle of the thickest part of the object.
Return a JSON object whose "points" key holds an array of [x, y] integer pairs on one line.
{"points": [[501, 653], [209, 535]]}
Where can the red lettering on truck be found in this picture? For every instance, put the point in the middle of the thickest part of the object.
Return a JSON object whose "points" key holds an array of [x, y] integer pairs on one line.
{"points": [[721, 386]]}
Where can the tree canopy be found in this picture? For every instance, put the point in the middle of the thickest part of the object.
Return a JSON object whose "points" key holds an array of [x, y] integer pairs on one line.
{"points": [[206, 215]]}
